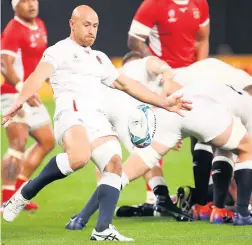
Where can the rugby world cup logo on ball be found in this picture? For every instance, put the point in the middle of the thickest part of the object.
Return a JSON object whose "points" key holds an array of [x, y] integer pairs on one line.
{"points": [[142, 126]]}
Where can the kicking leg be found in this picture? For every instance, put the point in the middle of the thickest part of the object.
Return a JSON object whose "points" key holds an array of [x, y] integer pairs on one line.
{"points": [[78, 153]]}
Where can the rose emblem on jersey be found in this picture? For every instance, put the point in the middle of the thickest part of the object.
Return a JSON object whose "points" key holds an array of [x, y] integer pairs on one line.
{"points": [[171, 16], [196, 13]]}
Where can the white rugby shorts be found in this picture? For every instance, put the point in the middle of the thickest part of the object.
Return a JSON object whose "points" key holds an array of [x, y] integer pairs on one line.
{"points": [[96, 124], [34, 117]]}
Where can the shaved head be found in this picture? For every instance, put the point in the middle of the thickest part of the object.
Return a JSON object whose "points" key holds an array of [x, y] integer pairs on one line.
{"points": [[82, 11], [84, 25]]}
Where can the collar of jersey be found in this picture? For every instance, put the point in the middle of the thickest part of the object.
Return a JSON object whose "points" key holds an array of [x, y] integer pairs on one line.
{"points": [[185, 2], [34, 27], [84, 48]]}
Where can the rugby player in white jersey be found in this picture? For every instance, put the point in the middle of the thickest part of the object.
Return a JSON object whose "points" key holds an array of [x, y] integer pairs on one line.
{"points": [[118, 107], [76, 73], [214, 70], [214, 107], [224, 133]]}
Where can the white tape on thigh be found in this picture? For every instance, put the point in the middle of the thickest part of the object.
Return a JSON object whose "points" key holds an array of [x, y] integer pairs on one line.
{"points": [[238, 132], [14, 153], [149, 156], [103, 154]]}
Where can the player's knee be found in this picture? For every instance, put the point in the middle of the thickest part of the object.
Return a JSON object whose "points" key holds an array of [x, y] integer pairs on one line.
{"points": [[107, 157], [79, 160], [114, 165]]}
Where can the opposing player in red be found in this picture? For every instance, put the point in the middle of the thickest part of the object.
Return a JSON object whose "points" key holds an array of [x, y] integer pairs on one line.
{"points": [[177, 31], [24, 40]]}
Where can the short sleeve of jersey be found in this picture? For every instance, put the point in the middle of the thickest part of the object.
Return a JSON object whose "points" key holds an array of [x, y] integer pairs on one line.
{"points": [[11, 39], [144, 19], [204, 12], [53, 56], [109, 72]]}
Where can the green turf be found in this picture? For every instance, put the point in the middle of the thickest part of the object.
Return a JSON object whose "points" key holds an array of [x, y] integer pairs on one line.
{"points": [[62, 199]]}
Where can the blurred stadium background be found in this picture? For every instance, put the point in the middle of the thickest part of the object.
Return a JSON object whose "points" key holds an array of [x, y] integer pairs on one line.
{"points": [[231, 41]]}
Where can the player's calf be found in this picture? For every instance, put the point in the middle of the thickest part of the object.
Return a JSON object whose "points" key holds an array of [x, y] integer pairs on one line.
{"points": [[107, 158]]}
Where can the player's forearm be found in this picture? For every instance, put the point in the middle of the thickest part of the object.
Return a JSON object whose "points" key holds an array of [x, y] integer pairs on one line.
{"points": [[30, 87], [171, 87], [10, 74], [202, 50], [140, 46], [140, 92]]}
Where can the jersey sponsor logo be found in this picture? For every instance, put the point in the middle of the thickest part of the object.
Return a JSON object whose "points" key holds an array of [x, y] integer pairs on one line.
{"points": [[196, 13], [171, 16]]}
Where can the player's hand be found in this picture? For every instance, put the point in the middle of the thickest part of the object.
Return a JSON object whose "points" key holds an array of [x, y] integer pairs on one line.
{"points": [[176, 103], [11, 113], [178, 146], [34, 101]]}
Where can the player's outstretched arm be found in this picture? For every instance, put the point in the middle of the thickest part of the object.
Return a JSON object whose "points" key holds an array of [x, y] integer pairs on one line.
{"points": [[31, 86], [142, 93]]}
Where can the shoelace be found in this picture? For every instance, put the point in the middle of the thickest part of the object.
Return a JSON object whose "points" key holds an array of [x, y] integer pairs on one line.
{"points": [[17, 205]]}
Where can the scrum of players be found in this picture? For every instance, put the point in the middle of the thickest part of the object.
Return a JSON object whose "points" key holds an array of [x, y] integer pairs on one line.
{"points": [[186, 102]]}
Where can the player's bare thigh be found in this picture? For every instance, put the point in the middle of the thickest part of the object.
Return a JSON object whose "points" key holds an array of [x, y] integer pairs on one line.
{"points": [[77, 146]]}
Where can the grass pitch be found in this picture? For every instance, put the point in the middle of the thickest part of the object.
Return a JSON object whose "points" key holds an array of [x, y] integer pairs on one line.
{"points": [[60, 200]]}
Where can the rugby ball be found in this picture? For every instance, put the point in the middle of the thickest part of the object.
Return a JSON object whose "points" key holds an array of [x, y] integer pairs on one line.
{"points": [[142, 126]]}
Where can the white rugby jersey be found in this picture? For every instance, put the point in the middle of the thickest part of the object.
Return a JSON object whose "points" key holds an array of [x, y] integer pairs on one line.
{"points": [[213, 71], [136, 70], [79, 72]]}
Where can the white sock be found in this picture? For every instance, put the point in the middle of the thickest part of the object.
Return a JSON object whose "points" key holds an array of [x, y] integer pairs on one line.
{"points": [[155, 181], [125, 180], [111, 179], [64, 164]]}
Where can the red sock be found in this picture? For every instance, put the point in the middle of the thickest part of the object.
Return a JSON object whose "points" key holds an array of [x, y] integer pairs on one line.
{"points": [[161, 162], [7, 193], [148, 187], [19, 183]]}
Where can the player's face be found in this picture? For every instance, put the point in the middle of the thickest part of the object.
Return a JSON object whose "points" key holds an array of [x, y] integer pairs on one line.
{"points": [[27, 9], [85, 30]]}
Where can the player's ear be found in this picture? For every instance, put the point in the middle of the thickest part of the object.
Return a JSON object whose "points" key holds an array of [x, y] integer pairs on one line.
{"points": [[71, 23]]}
